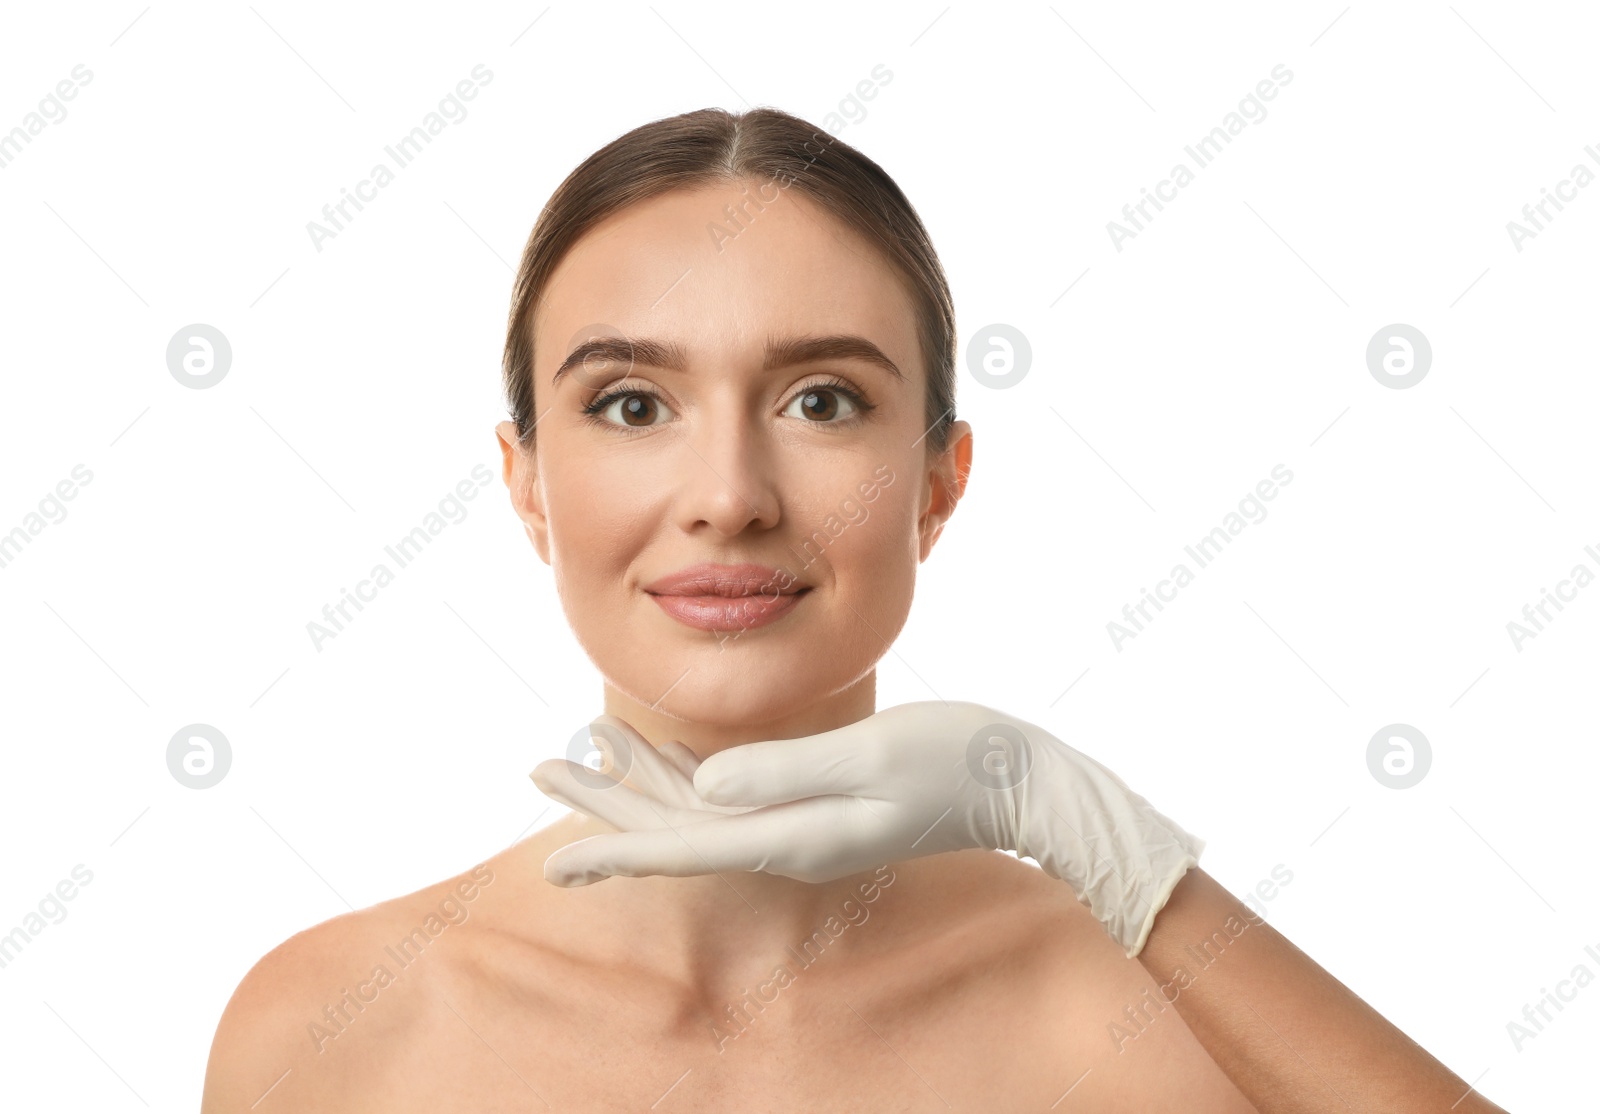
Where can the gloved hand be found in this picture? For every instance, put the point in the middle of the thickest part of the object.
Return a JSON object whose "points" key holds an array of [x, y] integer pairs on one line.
{"points": [[912, 780]]}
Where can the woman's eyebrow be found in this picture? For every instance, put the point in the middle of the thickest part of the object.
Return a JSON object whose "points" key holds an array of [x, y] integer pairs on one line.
{"points": [[780, 352]]}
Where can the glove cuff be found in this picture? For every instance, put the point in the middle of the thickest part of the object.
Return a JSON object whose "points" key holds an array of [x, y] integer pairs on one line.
{"points": [[1083, 825]]}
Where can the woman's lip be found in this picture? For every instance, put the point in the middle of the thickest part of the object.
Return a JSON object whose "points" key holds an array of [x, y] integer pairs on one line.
{"points": [[730, 581], [727, 613]]}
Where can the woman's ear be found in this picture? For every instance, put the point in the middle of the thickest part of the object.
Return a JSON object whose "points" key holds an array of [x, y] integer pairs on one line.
{"points": [[521, 476], [943, 485]]}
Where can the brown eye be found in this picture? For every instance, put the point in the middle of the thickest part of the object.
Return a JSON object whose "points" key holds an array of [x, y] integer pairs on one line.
{"points": [[632, 410], [637, 410], [822, 404]]}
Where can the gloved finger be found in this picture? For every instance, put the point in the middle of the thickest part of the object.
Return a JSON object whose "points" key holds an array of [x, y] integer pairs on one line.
{"points": [[778, 770], [610, 801], [789, 839], [665, 772], [687, 761], [681, 756], [641, 765]]}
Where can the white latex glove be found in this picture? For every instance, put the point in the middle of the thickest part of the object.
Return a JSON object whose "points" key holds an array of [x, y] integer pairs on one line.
{"points": [[913, 780]]}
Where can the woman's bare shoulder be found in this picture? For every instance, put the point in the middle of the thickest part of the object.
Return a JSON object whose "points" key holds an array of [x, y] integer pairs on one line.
{"points": [[1097, 1017], [332, 1003]]}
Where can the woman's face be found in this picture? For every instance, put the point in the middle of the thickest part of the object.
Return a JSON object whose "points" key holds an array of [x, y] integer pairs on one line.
{"points": [[716, 436]]}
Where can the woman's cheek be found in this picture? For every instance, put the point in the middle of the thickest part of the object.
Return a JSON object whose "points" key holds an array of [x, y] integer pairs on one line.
{"points": [[881, 554]]}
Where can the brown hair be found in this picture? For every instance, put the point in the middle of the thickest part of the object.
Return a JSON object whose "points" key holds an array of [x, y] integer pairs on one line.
{"points": [[712, 145]]}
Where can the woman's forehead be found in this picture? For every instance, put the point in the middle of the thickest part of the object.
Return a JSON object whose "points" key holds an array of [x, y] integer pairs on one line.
{"points": [[663, 269]]}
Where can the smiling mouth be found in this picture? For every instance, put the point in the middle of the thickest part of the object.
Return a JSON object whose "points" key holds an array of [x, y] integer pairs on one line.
{"points": [[729, 613]]}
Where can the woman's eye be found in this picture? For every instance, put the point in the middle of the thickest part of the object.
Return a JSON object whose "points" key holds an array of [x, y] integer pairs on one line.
{"points": [[632, 410], [821, 404], [641, 410]]}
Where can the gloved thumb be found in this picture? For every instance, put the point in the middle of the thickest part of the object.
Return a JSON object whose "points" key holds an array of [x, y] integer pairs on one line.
{"points": [[778, 770]]}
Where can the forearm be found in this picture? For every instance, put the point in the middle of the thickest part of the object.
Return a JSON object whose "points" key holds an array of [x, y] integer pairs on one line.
{"points": [[1288, 1034]]}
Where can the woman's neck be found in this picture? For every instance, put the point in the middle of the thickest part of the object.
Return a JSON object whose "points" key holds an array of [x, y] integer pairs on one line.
{"points": [[704, 930], [844, 707]]}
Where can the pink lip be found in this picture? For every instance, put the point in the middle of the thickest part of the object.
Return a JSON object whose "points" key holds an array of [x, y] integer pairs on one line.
{"points": [[727, 597]]}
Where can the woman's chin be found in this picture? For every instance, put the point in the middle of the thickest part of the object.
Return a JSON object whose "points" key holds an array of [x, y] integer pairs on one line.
{"points": [[738, 693], [764, 674]]}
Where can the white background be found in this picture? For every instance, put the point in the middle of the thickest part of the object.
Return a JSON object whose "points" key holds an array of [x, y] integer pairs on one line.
{"points": [[1227, 337]]}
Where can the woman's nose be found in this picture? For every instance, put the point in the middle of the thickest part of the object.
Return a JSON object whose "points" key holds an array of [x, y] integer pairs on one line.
{"points": [[726, 480]]}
